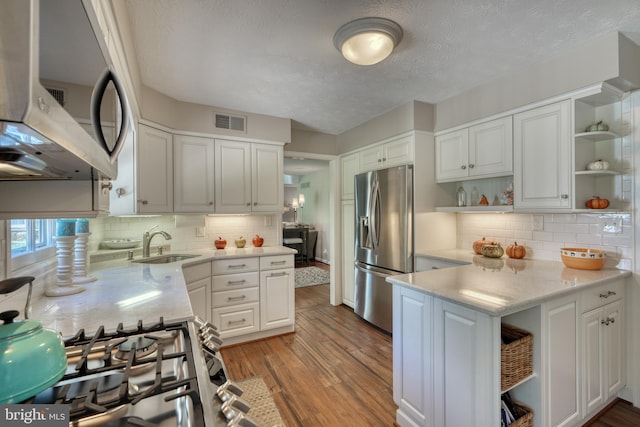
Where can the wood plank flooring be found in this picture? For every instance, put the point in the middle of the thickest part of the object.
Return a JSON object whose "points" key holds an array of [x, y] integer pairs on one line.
{"points": [[335, 370]]}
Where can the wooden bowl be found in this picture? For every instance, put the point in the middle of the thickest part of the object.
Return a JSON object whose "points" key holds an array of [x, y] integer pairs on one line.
{"points": [[583, 259]]}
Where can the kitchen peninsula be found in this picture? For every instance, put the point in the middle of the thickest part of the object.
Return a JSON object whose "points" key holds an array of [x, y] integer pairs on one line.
{"points": [[447, 341]]}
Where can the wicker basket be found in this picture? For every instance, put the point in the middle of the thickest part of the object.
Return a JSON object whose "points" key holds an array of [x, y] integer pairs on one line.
{"points": [[524, 421], [516, 356]]}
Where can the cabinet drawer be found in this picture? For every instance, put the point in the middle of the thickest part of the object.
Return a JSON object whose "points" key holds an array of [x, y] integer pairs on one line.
{"points": [[227, 282], [600, 295], [235, 297], [276, 262], [237, 320], [236, 265], [196, 272]]}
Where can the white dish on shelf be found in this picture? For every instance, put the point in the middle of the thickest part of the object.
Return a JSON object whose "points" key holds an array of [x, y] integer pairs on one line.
{"points": [[122, 243]]}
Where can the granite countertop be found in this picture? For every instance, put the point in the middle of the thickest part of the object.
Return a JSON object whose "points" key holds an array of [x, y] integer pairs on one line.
{"points": [[125, 292], [501, 286]]}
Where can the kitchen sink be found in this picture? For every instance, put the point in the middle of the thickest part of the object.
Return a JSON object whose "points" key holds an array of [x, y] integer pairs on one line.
{"points": [[165, 259]]}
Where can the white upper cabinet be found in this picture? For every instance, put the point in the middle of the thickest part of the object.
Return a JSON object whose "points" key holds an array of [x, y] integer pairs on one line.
{"points": [[479, 151], [248, 177], [267, 178], [193, 164], [349, 168], [233, 176], [155, 171], [542, 153], [390, 153]]}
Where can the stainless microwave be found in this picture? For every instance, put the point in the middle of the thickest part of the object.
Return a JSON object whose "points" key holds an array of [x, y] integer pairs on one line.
{"points": [[63, 112]]}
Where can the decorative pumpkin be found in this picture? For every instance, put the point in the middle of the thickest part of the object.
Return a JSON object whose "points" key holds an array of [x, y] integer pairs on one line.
{"points": [[598, 165], [597, 203], [477, 245], [483, 201], [516, 251], [492, 251]]}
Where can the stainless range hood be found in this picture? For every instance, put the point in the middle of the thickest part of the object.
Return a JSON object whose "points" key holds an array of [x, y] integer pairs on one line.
{"points": [[52, 44]]}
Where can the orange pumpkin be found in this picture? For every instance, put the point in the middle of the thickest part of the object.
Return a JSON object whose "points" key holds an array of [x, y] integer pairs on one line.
{"points": [[516, 251], [597, 203]]}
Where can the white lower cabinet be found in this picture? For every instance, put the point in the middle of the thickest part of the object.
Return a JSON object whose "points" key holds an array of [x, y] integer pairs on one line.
{"points": [[198, 280], [245, 298], [412, 360], [560, 365], [603, 347], [348, 252], [447, 358]]}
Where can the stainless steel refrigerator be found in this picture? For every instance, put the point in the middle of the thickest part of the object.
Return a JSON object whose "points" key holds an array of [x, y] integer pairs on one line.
{"points": [[384, 239]]}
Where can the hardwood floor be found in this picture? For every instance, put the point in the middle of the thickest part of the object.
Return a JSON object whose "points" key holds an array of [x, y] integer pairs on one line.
{"points": [[335, 370]]}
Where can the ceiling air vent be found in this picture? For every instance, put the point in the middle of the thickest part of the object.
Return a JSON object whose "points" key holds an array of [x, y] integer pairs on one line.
{"points": [[58, 94], [226, 121]]}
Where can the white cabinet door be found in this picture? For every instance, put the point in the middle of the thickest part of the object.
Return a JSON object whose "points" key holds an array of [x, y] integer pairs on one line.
{"points": [[398, 152], [412, 357], [277, 298], [193, 162], [542, 153], [371, 158], [560, 366], [349, 168], [465, 350], [491, 148], [232, 176], [387, 154], [603, 360], [155, 171], [348, 252], [200, 297], [452, 155], [267, 178]]}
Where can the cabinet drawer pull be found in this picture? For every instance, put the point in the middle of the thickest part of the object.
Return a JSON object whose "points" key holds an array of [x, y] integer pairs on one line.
{"points": [[608, 294], [236, 282], [236, 322], [278, 274], [241, 297], [237, 266], [278, 262], [463, 167], [471, 166]]}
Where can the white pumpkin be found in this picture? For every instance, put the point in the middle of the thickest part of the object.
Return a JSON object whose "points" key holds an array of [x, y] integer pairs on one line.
{"points": [[598, 165]]}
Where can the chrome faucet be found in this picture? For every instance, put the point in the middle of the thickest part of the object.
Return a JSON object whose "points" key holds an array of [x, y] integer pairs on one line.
{"points": [[146, 240]]}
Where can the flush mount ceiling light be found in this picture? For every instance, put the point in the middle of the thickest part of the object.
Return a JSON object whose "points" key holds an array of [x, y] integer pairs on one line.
{"points": [[367, 41]]}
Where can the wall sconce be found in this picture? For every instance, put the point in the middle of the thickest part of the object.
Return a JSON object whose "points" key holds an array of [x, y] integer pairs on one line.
{"points": [[294, 206], [301, 202], [367, 41]]}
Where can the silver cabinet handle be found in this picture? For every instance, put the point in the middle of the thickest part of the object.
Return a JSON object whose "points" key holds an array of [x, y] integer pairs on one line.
{"points": [[236, 322], [108, 186], [564, 196], [255, 203], [241, 297], [278, 274], [236, 282], [278, 262], [471, 166], [463, 167], [237, 266], [608, 294]]}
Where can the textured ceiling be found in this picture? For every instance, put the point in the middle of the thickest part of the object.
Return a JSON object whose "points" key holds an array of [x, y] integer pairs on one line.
{"points": [[276, 57]]}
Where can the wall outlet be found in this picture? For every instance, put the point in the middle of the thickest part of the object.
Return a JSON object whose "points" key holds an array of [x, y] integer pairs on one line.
{"points": [[537, 222], [199, 231], [611, 224]]}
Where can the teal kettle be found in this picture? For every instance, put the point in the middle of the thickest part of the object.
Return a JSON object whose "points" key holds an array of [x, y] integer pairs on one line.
{"points": [[32, 358]]}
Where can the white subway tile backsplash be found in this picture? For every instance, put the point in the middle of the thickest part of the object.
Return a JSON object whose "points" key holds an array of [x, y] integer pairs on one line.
{"points": [[558, 230]]}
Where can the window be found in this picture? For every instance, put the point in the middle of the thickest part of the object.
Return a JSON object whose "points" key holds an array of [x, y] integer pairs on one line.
{"points": [[31, 241]]}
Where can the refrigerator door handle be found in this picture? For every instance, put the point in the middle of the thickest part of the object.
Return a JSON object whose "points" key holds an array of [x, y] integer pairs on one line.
{"points": [[373, 212]]}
